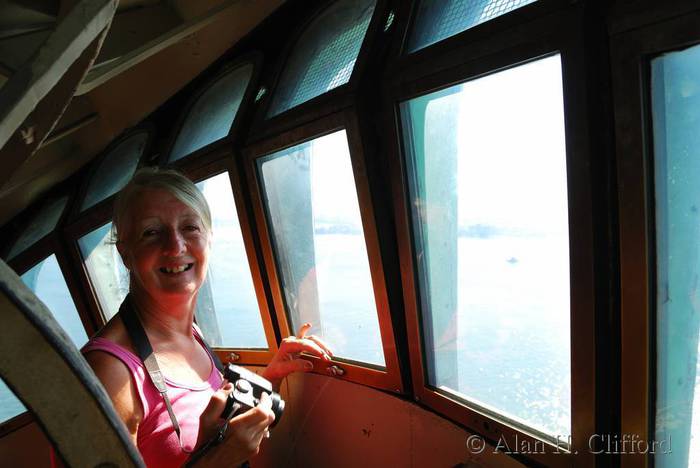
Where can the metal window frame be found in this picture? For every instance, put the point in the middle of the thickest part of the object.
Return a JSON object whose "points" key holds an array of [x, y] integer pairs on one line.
{"points": [[390, 378], [636, 37], [467, 56]]}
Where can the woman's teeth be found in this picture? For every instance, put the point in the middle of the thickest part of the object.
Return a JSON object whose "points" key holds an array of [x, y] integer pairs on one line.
{"points": [[179, 269]]}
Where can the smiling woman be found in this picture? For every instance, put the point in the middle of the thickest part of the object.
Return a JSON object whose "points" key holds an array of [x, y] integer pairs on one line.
{"points": [[162, 227]]}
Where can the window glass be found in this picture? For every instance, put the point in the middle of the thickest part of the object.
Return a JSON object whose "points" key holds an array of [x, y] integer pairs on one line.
{"points": [[312, 207], [109, 277], [227, 308], [439, 19], [675, 82], [46, 280], [115, 170], [211, 117], [42, 224], [325, 54], [10, 406], [488, 191]]}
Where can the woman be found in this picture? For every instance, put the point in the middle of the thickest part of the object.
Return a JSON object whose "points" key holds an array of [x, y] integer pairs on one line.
{"points": [[162, 225]]}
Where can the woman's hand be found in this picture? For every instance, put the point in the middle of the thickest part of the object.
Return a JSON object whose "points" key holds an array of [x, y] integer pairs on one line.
{"points": [[244, 434], [287, 358]]}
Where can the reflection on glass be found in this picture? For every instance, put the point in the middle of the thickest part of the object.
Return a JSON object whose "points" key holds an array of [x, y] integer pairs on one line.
{"points": [[109, 277], [211, 117], [487, 177], [675, 81], [115, 170], [46, 281], [10, 406], [312, 207], [325, 54], [227, 308], [42, 223], [439, 19]]}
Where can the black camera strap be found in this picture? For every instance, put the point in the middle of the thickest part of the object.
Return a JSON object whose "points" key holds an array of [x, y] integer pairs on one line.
{"points": [[142, 345]]}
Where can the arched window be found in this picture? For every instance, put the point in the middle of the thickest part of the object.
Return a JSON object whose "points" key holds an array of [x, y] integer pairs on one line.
{"points": [[115, 169], [212, 115], [325, 54], [436, 21]]}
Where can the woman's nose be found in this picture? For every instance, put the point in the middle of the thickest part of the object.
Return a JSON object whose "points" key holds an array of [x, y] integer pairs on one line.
{"points": [[174, 243]]}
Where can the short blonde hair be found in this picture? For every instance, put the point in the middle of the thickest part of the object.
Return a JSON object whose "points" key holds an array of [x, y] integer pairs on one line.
{"points": [[169, 180]]}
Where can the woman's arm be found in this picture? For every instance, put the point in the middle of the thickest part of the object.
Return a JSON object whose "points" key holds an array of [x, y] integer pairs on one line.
{"points": [[116, 379]]}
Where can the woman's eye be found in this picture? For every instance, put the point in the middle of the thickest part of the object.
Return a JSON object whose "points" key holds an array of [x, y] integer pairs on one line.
{"points": [[150, 232], [192, 228]]}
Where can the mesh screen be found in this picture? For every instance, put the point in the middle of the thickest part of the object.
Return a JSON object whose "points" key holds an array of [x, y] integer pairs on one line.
{"points": [[115, 170], [211, 117], [43, 223], [439, 19], [325, 55]]}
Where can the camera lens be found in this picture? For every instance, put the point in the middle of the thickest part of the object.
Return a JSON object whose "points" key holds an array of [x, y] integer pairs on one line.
{"points": [[277, 407]]}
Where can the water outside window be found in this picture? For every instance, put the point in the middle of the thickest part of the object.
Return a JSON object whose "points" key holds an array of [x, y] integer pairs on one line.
{"points": [[46, 281], [487, 177], [675, 86], [227, 308], [312, 208]]}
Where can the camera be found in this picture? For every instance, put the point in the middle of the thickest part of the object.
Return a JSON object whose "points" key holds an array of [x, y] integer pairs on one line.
{"points": [[248, 388]]}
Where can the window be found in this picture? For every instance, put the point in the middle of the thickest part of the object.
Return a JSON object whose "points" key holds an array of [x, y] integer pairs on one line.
{"points": [[439, 19], [313, 212], [41, 225], [10, 406], [227, 307], [675, 79], [486, 170], [325, 54], [212, 115], [109, 277], [46, 281], [115, 169]]}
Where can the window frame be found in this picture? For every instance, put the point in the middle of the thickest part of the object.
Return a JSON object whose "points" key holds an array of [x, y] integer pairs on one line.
{"points": [[463, 57], [347, 120], [636, 38], [75, 212], [205, 168], [51, 244], [328, 102], [242, 115]]}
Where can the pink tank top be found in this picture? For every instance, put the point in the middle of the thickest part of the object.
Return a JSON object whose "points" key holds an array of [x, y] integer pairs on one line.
{"points": [[156, 438]]}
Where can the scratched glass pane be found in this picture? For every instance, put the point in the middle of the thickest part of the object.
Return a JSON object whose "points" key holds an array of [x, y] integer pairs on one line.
{"points": [[115, 170], [227, 307], [325, 55], [10, 406], [311, 204], [486, 166], [46, 280], [675, 103], [211, 117], [41, 224], [109, 277], [439, 19]]}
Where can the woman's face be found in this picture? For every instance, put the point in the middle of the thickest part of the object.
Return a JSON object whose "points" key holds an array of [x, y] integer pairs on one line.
{"points": [[165, 245]]}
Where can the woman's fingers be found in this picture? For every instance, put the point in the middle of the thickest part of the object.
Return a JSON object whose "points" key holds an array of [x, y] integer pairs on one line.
{"points": [[302, 330], [296, 345], [321, 344]]}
